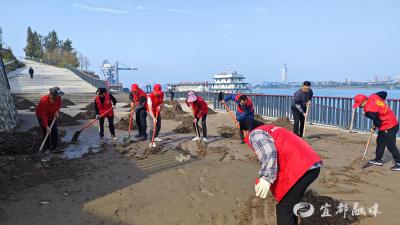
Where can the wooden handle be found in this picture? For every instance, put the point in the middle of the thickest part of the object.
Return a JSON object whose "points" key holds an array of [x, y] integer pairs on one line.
{"points": [[368, 142], [353, 113], [232, 116], [47, 135], [305, 119]]}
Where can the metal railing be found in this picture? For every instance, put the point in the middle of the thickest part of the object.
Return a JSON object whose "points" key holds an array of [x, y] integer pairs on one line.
{"points": [[89, 79], [331, 111]]}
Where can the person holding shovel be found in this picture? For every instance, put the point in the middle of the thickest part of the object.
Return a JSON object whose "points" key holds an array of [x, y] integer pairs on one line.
{"points": [[245, 110], [138, 100], [154, 102], [48, 109], [288, 167], [376, 109], [301, 100], [105, 101], [200, 110]]}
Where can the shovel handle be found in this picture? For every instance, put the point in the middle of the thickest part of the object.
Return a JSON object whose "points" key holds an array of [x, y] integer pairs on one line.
{"points": [[231, 114], [93, 121], [306, 117], [195, 125], [154, 128], [47, 135], [368, 142], [353, 113]]}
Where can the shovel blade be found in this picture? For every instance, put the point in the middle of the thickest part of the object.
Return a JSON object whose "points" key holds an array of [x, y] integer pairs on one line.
{"points": [[76, 136]]}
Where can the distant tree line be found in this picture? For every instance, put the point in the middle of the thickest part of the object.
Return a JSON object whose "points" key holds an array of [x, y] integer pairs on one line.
{"points": [[51, 48]]}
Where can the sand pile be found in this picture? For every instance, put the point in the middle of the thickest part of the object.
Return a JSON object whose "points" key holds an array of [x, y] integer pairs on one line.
{"points": [[261, 119], [20, 143], [174, 111], [211, 112], [262, 212], [200, 149], [66, 102], [186, 126], [127, 106], [138, 150], [66, 120], [229, 132], [283, 122], [123, 124], [88, 107]]}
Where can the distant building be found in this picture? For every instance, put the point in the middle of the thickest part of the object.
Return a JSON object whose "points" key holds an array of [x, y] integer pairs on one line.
{"points": [[191, 86], [229, 82], [284, 74]]}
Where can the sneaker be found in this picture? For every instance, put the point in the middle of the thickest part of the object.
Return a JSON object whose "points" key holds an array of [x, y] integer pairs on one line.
{"points": [[196, 139], [157, 139], [114, 138], [377, 162], [152, 145], [204, 140], [142, 138], [396, 167], [138, 135], [101, 140]]}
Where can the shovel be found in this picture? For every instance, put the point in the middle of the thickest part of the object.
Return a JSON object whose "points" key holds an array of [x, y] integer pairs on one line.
{"points": [[154, 129], [220, 98], [305, 118], [130, 123], [353, 113], [47, 135], [77, 133], [194, 124]]}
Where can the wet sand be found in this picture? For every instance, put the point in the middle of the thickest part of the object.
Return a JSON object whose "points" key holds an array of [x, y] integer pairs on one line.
{"points": [[101, 185]]}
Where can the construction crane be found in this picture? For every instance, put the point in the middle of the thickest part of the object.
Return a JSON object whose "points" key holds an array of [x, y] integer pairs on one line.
{"points": [[111, 74]]}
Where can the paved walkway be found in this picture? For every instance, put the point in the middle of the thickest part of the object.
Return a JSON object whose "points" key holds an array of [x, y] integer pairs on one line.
{"points": [[44, 78]]}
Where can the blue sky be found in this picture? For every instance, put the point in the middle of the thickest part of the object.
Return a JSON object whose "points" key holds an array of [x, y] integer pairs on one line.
{"points": [[173, 41]]}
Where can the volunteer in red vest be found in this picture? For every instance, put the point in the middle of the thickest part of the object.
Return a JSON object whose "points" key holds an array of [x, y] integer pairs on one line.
{"points": [[154, 102], [200, 110], [139, 103], [104, 102], [288, 166], [245, 110], [48, 109], [376, 109]]}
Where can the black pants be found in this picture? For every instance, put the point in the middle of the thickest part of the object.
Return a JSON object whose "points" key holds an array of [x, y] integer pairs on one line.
{"points": [[284, 209], [158, 126], [245, 124], [110, 125], [203, 125], [52, 140], [387, 139], [141, 122], [31, 74], [172, 94], [298, 125]]}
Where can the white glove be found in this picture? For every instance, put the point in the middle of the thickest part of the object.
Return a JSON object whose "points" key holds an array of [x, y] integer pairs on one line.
{"points": [[262, 187]]}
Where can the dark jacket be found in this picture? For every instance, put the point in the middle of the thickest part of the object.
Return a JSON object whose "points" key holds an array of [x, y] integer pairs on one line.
{"points": [[300, 100]]}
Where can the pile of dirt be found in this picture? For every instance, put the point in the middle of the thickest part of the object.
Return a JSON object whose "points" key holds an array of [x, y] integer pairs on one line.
{"points": [[186, 126], [261, 119], [283, 122], [88, 114], [229, 132], [66, 102], [174, 111], [123, 124], [66, 120], [20, 143], [128, 106], [317, 201], [89, 107], [23, 103], [211, 112], [259, 211]]}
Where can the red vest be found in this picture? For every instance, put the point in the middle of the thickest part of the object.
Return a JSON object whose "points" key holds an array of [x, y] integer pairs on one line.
{"points": [[295, 158], [107, 104], [377, 105], [139, 94], [155, 102], [249, 103]]}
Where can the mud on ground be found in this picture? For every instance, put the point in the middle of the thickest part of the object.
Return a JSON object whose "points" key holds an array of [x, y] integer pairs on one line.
{"points": [[66, 120], [22, 103], [123, 124], [88, 114], [65, 102], [186, 126], [172, 111]]}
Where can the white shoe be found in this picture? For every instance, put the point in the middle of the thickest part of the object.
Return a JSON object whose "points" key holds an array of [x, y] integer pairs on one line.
{"points": [[114, 138], [204, 140], [157, 139], [196, 139], [152, 145]]}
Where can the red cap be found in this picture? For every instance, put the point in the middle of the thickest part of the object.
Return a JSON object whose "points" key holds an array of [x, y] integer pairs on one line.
{"points": [[358, 99], [157, 89], [134, 87]]}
